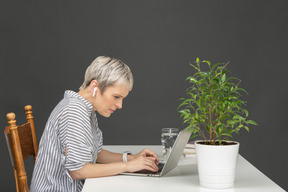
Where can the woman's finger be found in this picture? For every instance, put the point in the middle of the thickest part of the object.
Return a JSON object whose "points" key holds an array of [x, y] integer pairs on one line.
{"points": [[148, 152], [150, 162], [143, 162]]}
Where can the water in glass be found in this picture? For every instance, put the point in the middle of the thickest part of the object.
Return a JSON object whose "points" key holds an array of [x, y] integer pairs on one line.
{"points": [[168, 138]]}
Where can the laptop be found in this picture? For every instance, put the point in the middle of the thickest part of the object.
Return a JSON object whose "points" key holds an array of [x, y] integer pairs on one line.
{"points": [[172, 160]]}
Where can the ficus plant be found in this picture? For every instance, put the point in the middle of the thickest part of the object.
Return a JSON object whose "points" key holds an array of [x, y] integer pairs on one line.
{"points": [[213, 108]]}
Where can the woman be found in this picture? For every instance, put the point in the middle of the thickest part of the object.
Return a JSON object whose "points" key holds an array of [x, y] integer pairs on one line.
{"points": [[70, 149]]}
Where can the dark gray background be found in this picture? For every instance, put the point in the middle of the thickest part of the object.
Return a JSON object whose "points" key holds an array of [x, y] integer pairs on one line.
{"points": [[47, 45]]}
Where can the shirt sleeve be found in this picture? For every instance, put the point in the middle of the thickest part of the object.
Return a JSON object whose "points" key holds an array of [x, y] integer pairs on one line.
{"points": [[78, 138]]}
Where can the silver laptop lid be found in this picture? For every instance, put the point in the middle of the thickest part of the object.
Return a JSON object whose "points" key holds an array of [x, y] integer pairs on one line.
{"points": [[177, 151]]}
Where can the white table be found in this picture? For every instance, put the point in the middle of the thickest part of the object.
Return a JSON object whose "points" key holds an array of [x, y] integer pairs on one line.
{"points": [[182, 178]]}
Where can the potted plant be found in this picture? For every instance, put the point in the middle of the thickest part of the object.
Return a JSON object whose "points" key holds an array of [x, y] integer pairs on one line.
{"points": [[214, 111]]}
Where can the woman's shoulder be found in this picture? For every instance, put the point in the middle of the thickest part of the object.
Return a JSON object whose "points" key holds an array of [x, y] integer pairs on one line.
{"points": [[75, 102]]}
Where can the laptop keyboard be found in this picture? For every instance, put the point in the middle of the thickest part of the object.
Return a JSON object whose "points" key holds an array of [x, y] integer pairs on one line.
{"points": [[144, 171], [160, 166]]}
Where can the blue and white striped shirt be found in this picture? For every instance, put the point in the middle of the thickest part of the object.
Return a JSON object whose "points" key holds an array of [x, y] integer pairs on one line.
{"points": [[72, 124]]}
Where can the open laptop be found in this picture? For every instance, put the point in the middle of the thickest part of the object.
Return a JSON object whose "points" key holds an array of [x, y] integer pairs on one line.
{"points": [[172, 160]]}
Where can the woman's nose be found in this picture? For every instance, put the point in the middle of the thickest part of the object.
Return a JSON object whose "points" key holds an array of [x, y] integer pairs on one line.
{"points": [[119, 104]]}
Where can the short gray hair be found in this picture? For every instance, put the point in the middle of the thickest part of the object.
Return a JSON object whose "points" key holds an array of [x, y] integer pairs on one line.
{"points": [[107, 72]]}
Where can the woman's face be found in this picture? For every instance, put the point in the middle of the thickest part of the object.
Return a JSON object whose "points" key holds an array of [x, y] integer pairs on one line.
{"points": [[110, 100]]}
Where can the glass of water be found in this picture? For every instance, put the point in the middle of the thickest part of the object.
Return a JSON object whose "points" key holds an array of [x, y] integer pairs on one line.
{"points": [[168, 137]]}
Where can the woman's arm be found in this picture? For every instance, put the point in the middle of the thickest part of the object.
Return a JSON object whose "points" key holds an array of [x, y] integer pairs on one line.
{"points": [[109, 163], [91, 170], [109, 157]]}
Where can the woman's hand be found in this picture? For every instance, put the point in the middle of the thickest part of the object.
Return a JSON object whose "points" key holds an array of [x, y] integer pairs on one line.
{"points": [[140, 163], [148, 153], [146, 159]]}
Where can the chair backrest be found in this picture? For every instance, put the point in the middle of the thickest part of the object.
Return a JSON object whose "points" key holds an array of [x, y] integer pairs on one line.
{"points": [[21, 142]]}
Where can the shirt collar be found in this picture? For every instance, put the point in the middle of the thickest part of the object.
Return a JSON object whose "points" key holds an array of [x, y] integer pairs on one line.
{"points": [[70, 93]]}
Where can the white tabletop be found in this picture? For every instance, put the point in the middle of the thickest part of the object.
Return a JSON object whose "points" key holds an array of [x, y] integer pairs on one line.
{"points": [[182, 178]]}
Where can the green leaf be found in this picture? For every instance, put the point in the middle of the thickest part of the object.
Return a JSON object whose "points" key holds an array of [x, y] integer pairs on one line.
{"points": [[238, 117], [195, 67], [223, 78], [182, 104], [193, 136], [208, 62], [241, 89], [199, 102], [247, 128], [251, 122], [215, 65], [246, 112], [230, 122], [226, 134], [240, 126], [197, 60], [188, 78], [184, 111]]}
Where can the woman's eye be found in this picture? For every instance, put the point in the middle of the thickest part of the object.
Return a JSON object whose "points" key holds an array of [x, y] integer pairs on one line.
{"points": [[116, 97]]}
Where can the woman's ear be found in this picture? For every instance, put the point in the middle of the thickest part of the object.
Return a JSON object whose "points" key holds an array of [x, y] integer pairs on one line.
{"points": [[94, 91], [93, 87]]}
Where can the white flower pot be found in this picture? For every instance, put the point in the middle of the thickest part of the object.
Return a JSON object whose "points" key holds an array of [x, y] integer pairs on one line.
{"points": [[216, 165]]}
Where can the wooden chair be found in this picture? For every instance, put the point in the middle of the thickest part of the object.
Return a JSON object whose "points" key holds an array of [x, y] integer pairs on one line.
{"points": [[21, 142]]}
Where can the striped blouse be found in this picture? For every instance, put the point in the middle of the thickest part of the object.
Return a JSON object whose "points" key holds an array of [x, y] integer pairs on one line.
{"points": [[72, 124]]}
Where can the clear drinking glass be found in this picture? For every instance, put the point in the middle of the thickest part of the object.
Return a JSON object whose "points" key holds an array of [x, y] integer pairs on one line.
{"points": [[168, 137]]}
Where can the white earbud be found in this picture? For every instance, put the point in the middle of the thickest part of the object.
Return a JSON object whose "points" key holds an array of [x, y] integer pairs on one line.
{"points": [[94, 91]]}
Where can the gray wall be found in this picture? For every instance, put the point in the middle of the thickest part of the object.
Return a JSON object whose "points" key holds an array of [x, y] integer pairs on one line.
{"points": [[47, 45]]}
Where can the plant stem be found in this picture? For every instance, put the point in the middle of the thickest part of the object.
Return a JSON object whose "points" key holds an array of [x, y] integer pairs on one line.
{"points": [[202, 135], [210, 112], [210, 124]]}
